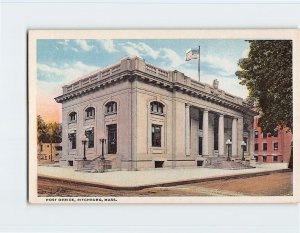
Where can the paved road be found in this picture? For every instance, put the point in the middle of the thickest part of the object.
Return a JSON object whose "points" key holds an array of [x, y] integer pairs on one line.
{"points": [[274, 184]]}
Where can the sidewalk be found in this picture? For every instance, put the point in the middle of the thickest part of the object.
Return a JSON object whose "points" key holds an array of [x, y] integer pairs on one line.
{"points": [[149, 177]]}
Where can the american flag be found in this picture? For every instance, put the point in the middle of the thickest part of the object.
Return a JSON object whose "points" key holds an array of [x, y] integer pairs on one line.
{"points": [[191, 54]]}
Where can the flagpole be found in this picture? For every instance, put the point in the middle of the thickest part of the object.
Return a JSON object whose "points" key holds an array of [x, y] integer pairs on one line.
{"points": [[199, 64]]}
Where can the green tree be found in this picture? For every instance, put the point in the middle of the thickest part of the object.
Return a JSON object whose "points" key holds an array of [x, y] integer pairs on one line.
{"points": [[53, 134], [48, 132], [268, 74], [42, 131]]}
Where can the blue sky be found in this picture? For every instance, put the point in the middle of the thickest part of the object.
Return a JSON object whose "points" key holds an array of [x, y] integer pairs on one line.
{"points": [[59, 62]]}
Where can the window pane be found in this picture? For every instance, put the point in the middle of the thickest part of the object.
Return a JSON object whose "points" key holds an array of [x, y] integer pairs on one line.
{"points": [[156, 135], [265, 146]]}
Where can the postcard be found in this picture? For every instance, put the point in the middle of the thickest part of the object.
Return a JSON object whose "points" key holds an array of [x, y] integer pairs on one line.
{"points": [[163, 116]]}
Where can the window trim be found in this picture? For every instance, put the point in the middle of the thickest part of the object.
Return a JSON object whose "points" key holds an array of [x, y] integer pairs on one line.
{"points": [[87, 134], [114, 108], [152, 135], [70, 121], [71, 138], [274, 145], [158, 104], [264, 143], [93, 110]]}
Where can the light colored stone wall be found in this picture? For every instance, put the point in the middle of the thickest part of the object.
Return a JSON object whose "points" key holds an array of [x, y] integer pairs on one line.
{"points": [[134, 119], [118, 93]]}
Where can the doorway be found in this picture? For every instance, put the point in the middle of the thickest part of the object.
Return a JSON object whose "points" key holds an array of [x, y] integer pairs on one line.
{"points": [[112, 139]]}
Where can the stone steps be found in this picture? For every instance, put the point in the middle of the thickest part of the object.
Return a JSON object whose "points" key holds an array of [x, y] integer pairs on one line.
{"points": [[222, 163]]}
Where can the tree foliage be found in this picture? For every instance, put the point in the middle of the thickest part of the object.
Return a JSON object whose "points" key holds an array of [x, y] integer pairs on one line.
{"points": [[267, 73], [41, 130], [48, 132]]}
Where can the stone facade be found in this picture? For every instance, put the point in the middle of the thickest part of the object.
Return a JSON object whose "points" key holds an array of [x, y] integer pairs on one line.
{"points": [[150, 117]]}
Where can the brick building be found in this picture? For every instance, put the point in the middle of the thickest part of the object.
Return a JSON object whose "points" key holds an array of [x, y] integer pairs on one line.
{"points": [[269, 148]]}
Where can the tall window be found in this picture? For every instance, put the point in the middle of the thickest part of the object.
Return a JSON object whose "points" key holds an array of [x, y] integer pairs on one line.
{"points": [[264, 135], [256, 134], [227, 124], [245, 140], [112, 138], [265, 146], [111, 107], [90, 135], [72, 117], [90, 113], [72, 138], [275, 133], [200, 119], [156, 135], [256, 146], [275, 145], [157, 107], [216, 133]]}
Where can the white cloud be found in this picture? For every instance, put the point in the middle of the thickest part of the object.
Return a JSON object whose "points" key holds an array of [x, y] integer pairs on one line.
{"points": [[131, 51], [229, 84], [143, 50], [63, 73], [108, 45], [140, 49], [64, 42], [226, 65], [83, 44], [74, 49], [174, 59], [148, 50], [66, 46]]}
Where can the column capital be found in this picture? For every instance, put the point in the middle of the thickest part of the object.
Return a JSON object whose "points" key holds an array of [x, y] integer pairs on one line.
{"points": [[205, 110], [187, 105]]}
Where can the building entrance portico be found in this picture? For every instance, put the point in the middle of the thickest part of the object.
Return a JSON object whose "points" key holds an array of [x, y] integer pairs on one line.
{"points": [[208, 131]]}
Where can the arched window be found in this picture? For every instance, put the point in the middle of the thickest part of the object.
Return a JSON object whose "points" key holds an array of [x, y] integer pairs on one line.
{"points": [[111, 107], [90, 113], [72, 117], [157, 107]]}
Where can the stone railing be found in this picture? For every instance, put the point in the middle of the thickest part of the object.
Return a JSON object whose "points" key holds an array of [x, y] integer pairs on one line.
{"points": [[138, 64], [92, 78]]}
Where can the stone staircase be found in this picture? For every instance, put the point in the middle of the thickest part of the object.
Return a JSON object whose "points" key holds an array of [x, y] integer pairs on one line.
{"points": [[93, 165], [222, 163]]}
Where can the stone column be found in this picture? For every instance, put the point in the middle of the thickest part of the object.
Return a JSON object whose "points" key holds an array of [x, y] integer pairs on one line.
{"points": [[234, 138], [221, 135], [205, 133], [187, 130], [240, 136]]}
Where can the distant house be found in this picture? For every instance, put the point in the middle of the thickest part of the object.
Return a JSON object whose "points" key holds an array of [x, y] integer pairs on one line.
{"points": [[49, 154], [272, 147]]}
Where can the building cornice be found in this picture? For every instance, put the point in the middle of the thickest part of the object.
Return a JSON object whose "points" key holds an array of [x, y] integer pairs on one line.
{"points": [[136, 68]]}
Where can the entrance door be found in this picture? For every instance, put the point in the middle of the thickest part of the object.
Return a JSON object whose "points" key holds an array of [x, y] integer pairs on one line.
{"points": [[200, 145], [112, 139]]}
